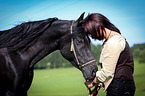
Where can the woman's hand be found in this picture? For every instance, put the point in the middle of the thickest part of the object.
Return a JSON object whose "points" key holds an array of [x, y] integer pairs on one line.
{"points": [[91, 95], [94, 92], [90, 84]]}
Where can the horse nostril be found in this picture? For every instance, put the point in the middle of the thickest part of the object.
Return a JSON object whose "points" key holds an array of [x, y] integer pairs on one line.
{"points": [[94, 73]]}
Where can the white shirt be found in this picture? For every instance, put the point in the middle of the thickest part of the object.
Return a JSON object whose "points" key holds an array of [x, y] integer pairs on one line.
{"points": [[109, 56]]}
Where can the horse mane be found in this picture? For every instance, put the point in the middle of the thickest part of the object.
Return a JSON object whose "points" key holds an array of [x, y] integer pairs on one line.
{"points": [[24, 35]]}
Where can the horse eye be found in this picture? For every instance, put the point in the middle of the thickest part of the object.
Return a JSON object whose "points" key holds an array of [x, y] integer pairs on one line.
{"points": [[79, 41]]}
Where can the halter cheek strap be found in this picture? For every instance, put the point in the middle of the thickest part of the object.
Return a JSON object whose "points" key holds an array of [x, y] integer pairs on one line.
{"points": [[72, 47], [73, 50]]}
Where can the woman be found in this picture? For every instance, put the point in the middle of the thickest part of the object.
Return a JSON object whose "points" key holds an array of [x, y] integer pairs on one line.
{"points": [[116, 57]]}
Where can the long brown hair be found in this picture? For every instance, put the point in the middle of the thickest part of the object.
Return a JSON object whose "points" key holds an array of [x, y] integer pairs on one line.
{"points": [[95, 23]]}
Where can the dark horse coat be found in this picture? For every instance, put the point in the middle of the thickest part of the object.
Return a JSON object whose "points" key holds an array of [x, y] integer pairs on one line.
{"points": [[24, 45]]}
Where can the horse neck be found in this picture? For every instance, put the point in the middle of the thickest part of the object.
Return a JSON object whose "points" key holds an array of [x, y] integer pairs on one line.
{"points": [[37, 52], [47, 43]]}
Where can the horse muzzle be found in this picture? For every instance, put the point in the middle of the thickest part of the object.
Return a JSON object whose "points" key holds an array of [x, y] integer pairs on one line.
{"points": [[89, 72]]}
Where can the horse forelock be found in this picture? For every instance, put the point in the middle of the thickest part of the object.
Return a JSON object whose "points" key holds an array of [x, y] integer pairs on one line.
{"points": [[67, 39]]}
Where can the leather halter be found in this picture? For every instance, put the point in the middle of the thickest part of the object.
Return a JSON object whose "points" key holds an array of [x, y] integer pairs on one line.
{"points": [[73, 50]]}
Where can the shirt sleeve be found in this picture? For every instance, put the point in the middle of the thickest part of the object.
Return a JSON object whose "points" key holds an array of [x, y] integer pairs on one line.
{"points": [[109, 57]]}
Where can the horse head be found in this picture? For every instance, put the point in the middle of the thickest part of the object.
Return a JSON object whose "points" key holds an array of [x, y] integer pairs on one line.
{"points": [[78, 50]]}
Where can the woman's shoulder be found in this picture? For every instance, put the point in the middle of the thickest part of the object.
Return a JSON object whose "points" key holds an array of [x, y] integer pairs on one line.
{"points": [[117, 40]]}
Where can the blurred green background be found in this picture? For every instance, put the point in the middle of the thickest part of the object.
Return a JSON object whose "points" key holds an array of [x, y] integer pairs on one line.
{"points": [[69, 82], [66, 80]]}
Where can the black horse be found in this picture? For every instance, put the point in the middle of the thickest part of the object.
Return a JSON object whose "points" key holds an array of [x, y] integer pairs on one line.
{"points": [[24, 45]]}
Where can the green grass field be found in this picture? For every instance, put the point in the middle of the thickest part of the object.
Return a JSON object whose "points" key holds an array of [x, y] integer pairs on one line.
{"points": [[70, 82]]}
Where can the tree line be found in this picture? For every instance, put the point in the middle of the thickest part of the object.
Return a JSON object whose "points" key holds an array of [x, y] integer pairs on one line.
{"points": [[55, 59], [138, 51]]}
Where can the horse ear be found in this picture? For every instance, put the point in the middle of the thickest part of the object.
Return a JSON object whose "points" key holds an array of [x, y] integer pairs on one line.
{"points": [[80, 18]]}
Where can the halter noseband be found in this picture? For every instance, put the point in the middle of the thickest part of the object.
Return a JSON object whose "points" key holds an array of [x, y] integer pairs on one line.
{"points": [[73, 50]]}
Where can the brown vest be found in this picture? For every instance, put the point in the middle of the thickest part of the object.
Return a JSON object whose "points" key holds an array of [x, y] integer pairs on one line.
{"points": [[125, 64]]}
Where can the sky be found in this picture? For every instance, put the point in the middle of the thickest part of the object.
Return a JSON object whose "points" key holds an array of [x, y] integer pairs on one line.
{"points": [[127, 15]]}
